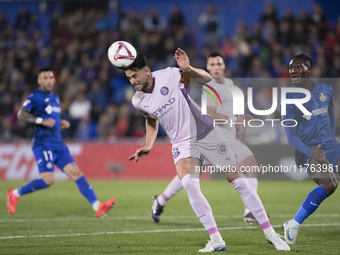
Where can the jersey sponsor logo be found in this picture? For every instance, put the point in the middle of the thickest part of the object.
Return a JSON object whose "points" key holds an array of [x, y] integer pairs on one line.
{"points": [[47, 99], [319, 111], [165, 108], [27, 102], [322, 97], [164, 91], [49, 109]]}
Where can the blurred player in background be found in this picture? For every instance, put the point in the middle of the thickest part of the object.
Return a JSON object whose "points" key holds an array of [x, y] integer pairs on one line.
{"points": [[162, 98], [42, 110], [313, 139], [244, 156]]}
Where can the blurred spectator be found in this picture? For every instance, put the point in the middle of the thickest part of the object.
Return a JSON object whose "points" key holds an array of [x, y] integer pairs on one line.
{"points": [[210, 20], [86, 129], [98, 96], [3, 21], [23, 19], [176, 18], [78, 109], [130, 21], [269, 13], [288, 17], [154, 21]]}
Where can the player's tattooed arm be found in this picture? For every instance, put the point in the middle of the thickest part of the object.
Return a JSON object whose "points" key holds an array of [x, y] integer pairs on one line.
{"points": [[24, 115]]}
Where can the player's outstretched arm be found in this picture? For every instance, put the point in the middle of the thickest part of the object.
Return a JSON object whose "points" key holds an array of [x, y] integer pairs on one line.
{"points": [[184, 63], [151, 134], [24, 115]]}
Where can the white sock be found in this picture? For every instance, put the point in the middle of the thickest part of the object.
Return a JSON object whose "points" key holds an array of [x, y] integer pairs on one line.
{"points": [[269, 231], [161, 200], [95, 205], [16, 193], [216, 237], [252, 201], [174, 186], [201, 206], [253, 182]]}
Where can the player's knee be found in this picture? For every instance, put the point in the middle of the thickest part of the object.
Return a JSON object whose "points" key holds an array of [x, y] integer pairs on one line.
{"points": [[330, 185], [48, 181], [48, 178], [190, 183]]}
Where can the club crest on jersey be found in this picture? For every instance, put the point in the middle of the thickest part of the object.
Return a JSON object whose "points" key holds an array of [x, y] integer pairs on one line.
{"points": [[164, 91], [322, 97], [222, 148]]}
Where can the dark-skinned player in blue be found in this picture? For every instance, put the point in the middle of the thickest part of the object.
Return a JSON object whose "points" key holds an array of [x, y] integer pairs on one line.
{"points": [[313, 138], [42, 110]]}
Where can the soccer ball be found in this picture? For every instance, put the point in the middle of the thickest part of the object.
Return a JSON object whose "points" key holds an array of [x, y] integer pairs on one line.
{"points": [[121, 54]]}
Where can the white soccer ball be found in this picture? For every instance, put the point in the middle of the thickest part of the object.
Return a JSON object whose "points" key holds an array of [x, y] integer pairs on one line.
{"points": [[121, 54]]}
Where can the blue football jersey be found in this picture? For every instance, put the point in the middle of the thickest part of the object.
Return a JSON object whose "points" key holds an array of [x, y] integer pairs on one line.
{"points": [[47, 106], [315, 129]]}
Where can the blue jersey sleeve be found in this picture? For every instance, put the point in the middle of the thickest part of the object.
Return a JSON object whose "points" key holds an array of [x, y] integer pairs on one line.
{"points": [[287, 119], [331, 112], [29, 102], [294, 141]]}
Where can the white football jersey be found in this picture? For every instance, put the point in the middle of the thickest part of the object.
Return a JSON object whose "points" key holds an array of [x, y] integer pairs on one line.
{"points": [[226, 108], [169, 102]]}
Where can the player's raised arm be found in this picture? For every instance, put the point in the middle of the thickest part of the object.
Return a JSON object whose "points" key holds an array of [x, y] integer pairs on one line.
{"points": [[184, 63], [151, 134], [24, 115]]}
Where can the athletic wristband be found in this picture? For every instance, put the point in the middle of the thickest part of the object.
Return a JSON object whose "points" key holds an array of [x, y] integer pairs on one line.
{"points": [[38, 120], [232, 118]]}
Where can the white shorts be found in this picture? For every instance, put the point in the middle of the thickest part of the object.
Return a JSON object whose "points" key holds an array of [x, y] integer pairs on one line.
{"points": [[214, 148], [240, 150]]}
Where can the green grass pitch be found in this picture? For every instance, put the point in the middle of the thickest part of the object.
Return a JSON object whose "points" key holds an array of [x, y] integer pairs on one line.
{"points": [[59, 220]]}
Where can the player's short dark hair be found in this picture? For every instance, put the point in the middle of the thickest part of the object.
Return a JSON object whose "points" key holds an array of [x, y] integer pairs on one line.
{"points": [[140, 62], [304, 58], [214, 54], [45, 69]]}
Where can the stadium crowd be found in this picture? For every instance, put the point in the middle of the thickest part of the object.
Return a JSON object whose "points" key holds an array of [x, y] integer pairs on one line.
{"points": [[96, 98]]}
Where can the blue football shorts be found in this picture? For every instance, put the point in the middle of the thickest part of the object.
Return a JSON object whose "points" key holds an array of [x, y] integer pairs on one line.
{"points": [[48, 156]]}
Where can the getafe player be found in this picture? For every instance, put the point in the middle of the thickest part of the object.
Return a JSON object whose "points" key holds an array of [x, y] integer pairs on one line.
{"points": [[42, 110], [313, 139]]}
